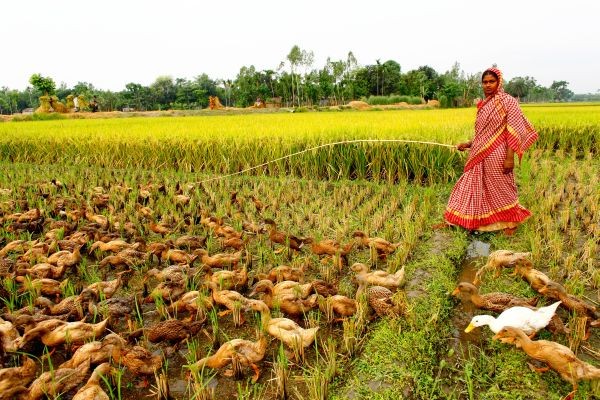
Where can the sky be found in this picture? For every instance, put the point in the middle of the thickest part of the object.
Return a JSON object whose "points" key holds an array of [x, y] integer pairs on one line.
{"points": [[110, 43]]}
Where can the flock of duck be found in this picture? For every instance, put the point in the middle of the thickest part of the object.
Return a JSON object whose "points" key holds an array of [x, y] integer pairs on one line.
{"points": [[50, 303], [519, 320]]}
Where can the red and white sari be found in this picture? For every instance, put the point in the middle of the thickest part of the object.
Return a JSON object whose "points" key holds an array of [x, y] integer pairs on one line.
{"points": [[484, 198]]}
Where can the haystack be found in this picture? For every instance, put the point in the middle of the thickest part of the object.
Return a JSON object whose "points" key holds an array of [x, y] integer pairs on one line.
{"points": [[359, 105], [214, 103], [56, 106], [433, 103]]}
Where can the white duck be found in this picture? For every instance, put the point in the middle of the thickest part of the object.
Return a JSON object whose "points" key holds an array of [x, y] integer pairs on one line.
{"points": [[528, 320]]}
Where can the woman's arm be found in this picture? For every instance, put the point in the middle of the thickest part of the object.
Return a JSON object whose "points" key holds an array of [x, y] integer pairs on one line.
{"points": [[464, 146], [509, 162]]}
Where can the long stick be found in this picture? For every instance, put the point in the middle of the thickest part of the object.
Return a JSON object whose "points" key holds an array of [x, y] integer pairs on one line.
{"points": [[326, 145]]}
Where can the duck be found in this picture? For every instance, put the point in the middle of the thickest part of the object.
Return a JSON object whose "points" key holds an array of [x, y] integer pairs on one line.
{"points": [[284, 329], [499, 259], [382, 246], [338, 304], [330, 247], [190, 242], [42, 286], [14, 246], [558, 357], [8, 337], [72, 332], [537, 279], [43, 270], [235, 243], [380, 300], [106, 289], [36, 252], [286, 239], [496, 301], [114, 246], [253, 228], [160, 228], [137, 360], [53, 383], [273, 292], [246, 352], [378, 277], [117, 261], [556, 291], [113, 308], [71, 306], [171, 330], [195, 302], [230, 299], [285, 273], [526, 319], [92, 389], [171, 273], [96, 352], [236, 279], [15, 380], [178, 256], [65, 258], [221, 260]]}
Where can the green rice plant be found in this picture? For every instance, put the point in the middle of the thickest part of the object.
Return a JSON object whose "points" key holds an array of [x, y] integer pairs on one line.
{"points": [[281, 374]]}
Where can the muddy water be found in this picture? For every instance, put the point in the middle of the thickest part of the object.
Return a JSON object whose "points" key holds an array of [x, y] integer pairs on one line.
{"points": [[477, 253]]}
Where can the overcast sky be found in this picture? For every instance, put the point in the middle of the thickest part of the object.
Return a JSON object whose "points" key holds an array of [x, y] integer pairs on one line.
{"points": [[110, 43]]}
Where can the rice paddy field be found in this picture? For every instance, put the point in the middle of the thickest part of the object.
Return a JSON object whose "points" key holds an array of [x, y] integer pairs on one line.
{"points": [[168, 188]]}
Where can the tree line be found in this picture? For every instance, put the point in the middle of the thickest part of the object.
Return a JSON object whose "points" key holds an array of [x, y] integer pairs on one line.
{"points": [[294, 83]]}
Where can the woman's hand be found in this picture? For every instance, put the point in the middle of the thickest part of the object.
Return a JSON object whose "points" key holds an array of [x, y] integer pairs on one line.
{"points": [[508, 166], [463, 146]]}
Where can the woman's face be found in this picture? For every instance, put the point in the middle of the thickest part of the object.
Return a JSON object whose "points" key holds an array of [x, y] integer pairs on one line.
{"points": [[489, 83]]}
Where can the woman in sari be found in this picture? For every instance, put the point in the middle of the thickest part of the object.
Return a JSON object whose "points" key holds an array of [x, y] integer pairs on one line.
{"points": [[485, 196]]}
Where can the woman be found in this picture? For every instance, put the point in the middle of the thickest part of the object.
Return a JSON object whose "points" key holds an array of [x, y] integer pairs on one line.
{"points": [[485, 196]]}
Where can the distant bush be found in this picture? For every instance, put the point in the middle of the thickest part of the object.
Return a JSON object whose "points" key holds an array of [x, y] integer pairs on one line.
{"points": [[38, 117], [393, 99]]}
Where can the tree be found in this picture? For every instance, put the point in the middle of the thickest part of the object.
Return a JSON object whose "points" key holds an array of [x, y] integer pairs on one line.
{"points": [[561, 90], [44, 85]]}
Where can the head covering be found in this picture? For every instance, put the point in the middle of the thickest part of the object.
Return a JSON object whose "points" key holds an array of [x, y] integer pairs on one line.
{"points": [[499, 75]]}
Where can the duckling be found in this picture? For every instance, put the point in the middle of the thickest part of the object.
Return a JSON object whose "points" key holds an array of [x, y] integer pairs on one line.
{"points": [[498, 259], [236, 279], [286, 239], [8, 336], [92, 389], [526, 319], [96, 352], [558, 357], [380, 300], [61, 380], [496, 301], [246, 352], [221, 260], [194, 302], [137, 360], [377, 277], [285, 273], [284, 329], [14, 380], [382, 247], [537, 279]]}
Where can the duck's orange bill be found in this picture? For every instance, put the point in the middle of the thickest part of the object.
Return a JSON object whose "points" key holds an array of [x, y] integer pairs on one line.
{"points": [[470, 328]]}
